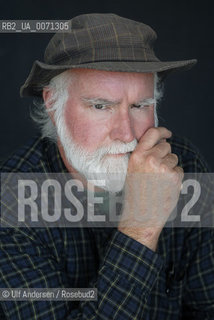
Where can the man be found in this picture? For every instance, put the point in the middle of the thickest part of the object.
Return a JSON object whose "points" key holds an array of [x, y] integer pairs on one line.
{"points": [[99, 90]]}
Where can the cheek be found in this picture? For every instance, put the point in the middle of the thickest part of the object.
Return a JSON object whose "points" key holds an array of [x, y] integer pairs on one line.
{"points": [[86, 131], [143, 122]]}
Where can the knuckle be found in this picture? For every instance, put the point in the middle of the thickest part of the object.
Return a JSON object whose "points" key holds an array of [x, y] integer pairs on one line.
{"points": [[181, 172], [179, 169], [151, 159], [163, 168], [178, 174], [175, 177]]}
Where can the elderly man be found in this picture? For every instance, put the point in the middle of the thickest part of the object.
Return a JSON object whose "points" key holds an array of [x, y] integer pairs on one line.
{"points": [[97, 95]]}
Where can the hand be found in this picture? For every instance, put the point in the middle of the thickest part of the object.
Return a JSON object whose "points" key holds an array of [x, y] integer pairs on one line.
{"points": [[152, 187]]}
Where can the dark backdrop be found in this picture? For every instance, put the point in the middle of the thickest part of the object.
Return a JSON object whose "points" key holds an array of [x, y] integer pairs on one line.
{"points": [[185, 30]]}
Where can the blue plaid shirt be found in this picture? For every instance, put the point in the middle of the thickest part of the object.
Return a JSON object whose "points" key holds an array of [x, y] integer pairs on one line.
{"points": [[132, 281]]}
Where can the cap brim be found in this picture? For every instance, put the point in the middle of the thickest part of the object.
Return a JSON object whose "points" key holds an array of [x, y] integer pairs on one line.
{"points": [[42, 73]]}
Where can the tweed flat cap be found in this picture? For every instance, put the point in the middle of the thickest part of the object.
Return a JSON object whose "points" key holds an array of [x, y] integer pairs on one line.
{"points": [[102, 42]]}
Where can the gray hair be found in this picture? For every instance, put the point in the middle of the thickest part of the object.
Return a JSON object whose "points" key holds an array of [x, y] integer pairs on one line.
{"points": [[58, 87]]}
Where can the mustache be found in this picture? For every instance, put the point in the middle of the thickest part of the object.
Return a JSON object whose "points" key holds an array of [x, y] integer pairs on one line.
{"points": [[117, 147]]}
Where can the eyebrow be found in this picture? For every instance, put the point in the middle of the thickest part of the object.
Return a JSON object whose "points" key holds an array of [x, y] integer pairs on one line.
{"points": [[146, 101], [99, 101], [105, 102]]}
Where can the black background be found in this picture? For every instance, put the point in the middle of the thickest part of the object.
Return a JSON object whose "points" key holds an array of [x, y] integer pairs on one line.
{"points": [[185, 31]]}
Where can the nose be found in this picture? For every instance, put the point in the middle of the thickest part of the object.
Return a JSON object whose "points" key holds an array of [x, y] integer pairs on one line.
{"points": [[122, 128]]}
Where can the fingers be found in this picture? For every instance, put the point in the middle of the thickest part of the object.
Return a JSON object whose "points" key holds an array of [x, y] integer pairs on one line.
{"points": [[152, 137], [161, 150], [170, 160], [153, 153], [176, 174], [180, 172]]}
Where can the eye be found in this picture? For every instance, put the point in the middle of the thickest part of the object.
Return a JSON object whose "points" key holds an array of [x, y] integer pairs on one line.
{"points": [[98, 106], [139, 106]]}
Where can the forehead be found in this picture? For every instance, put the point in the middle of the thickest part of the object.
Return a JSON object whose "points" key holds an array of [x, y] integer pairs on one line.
{"points": [[88, 79]]}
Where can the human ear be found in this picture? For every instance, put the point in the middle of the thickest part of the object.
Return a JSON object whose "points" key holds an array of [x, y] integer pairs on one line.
{"points": [[46, 94]]}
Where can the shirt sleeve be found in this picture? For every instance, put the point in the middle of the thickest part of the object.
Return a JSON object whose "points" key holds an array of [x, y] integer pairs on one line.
{"points": [[198, 301], [124, 281]]}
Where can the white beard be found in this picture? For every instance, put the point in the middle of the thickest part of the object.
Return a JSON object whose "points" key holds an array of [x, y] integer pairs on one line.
{"points": [[96, 165]]}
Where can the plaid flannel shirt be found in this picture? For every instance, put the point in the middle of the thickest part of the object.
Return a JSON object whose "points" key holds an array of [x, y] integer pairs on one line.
{"points": [[133, 282]]}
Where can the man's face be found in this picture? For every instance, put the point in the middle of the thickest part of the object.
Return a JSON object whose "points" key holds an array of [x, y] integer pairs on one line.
{"points": [[105, 115], [103, 107]]}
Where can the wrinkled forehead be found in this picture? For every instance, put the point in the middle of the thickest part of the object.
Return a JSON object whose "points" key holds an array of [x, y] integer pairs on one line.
{"points": [[90, 80], [91, 74]]}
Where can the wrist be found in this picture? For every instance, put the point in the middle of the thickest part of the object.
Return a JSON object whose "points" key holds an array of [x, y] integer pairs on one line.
{"points": [[147, 236]]}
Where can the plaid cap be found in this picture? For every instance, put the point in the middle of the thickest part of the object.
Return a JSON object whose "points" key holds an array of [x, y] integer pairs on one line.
{"points": [[102, 42]]}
